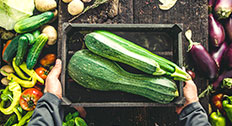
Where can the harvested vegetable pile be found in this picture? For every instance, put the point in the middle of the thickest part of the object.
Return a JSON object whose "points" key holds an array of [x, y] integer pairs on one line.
{"points": [[216, 64], [25, 69]]}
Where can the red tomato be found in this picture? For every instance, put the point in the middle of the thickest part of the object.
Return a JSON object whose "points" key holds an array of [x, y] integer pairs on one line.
{"points": [[48, 60], [42, 72], [29, 98], [191, 73]]}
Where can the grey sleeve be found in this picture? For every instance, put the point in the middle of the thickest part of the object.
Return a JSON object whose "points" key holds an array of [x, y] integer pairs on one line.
{"points": [[194, 115], [47, 111]]}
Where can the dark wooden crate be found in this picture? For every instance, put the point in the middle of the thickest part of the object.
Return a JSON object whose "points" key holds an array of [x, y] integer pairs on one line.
{"points": [[162, 39]]}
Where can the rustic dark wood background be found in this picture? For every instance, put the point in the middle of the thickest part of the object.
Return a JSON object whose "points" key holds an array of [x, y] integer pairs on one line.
{"points": [[193, 14]]}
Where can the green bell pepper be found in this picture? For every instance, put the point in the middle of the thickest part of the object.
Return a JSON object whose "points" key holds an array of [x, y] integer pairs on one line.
{"points": [[227, 106], [227, 83], [217, 119], [80, 122]]}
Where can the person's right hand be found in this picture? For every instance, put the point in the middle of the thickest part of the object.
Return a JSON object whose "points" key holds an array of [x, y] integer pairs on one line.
{"points": [[52, 83], [190, 94]]}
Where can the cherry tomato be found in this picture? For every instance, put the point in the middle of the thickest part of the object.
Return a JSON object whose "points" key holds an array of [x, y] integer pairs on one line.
{"points": [[42, 72], [48, 60], [191, 73], [29, 98]]}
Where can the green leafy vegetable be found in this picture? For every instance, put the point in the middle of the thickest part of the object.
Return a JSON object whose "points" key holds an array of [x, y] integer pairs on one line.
{"points": [[73, 120], [12, 11]]}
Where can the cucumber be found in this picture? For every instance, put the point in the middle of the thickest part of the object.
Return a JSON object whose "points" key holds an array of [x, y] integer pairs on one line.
{"points": [[10, 49], [115, 48], [98, 73], [34, 22], [36, 33], [30, 38], [35, 50], [22, 50]]}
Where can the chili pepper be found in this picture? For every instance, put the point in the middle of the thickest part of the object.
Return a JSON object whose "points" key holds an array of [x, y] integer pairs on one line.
{"points": [[18, 71], [217, 101], [16, 89], [216, 119], [31, 73], [16, 111], [23, 83], [25, 118], [227, 106]]}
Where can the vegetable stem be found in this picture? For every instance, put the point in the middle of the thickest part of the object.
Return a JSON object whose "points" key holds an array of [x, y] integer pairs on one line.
{"points": [[206, 91], [95, 4]]}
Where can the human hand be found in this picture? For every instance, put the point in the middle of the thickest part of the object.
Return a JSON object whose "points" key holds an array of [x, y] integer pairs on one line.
{"points": [[190, 94], [52, 83]]}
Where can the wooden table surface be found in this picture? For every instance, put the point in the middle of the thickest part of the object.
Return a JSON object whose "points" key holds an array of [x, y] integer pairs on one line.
{"points": [[193, 14]]}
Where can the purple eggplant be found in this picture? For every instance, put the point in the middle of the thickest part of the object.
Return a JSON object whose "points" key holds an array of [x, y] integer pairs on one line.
{"points": [[228, 28], [211, 5], [226, 74], [223, 8], [227, 58], [218, 54], [216, 32], [215, 84], [202, 58]]}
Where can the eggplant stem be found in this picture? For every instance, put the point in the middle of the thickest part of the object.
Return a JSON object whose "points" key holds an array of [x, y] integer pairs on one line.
{"points": [[206, 91], [188, 35]]}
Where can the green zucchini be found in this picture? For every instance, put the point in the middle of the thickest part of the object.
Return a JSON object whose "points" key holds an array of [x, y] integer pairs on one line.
{"points": [[9, 50], [113, 47], [95, 72], [22, 50], [34, 22], [35, 50]]}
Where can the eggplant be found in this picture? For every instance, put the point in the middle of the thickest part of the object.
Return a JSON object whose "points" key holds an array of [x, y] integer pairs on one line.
{"points": [[228, 28], [223, 8], [226, 74], [218, 54], [227, 57], [216, 32], [202, 58]]}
